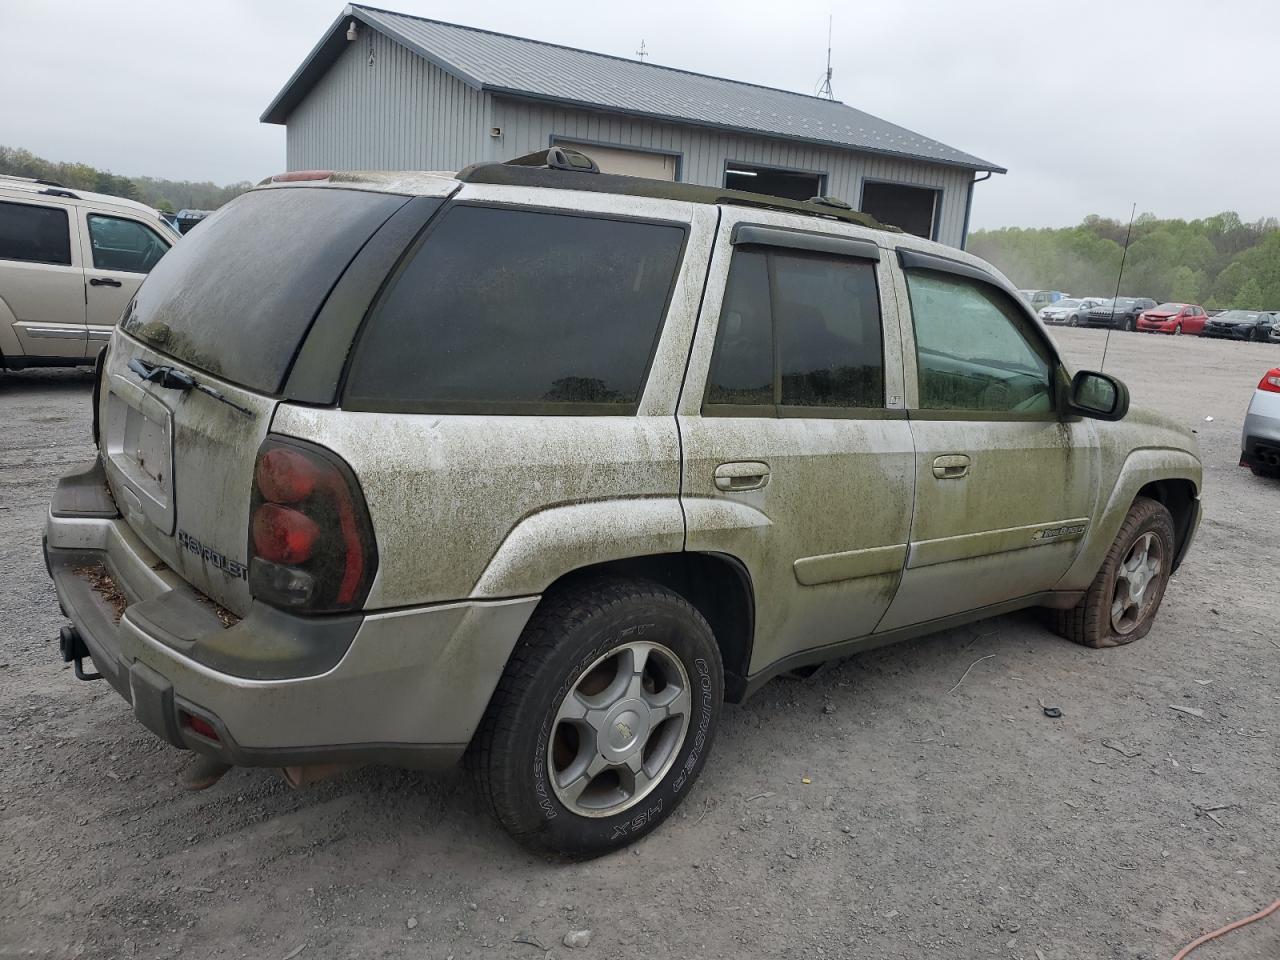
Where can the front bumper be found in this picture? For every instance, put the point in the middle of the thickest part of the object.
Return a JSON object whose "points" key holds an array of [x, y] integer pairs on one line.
{"points": [[1229, 332], [1156, 326], [407, 687]]}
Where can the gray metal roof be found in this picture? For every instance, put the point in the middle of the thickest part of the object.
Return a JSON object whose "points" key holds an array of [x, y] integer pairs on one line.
{"points": [[515, 66]]}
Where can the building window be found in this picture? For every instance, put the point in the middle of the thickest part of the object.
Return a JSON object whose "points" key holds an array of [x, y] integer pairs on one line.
{"points": [[913, 209], [792, 184]]}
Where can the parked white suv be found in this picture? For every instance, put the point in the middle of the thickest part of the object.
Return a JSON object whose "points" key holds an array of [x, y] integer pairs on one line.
{"points": [[69, 263], [538, 466]]}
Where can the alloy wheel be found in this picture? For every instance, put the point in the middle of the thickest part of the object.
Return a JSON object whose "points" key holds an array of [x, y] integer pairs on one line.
{"points": [[619, 729], [1137, 583]]}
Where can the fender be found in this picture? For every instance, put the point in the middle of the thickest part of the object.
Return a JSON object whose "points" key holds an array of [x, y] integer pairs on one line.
{"points": [[546, 545], [1141, 467]]}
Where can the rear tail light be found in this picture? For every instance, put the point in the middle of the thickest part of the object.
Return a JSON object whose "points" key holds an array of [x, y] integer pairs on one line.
{"points": [[311, 544], [1270, 381]]}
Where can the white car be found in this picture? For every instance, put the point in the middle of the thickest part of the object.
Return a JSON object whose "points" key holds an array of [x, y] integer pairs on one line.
{"points": [[69, 263], [1260, 442]]}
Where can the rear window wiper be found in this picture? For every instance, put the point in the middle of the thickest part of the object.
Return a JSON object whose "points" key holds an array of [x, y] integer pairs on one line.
{"points": [[170, 379]]}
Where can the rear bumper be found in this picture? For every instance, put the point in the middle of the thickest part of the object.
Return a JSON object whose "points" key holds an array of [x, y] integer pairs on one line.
{"points": [[407, 687], [1260, 439]]}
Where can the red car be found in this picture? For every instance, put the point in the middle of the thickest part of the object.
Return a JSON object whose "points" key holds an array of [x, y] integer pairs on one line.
{"points": [[1175, 318]]}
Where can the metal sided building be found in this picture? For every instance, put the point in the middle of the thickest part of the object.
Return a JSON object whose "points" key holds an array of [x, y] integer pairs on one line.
{"points": [[387, 91]]}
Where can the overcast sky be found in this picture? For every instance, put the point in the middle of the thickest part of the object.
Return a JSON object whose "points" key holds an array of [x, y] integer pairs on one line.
{"points": [[1091, 104]]}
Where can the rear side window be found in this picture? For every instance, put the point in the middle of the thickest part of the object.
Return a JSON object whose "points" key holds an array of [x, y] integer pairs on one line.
{"points": [[236, 297], [798, 330], [517, 311], [34, 234], [122, 244]]}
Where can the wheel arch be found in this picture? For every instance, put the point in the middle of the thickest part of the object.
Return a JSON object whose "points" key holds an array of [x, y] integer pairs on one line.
{"points": [[1167, 475], [1178, 496], [717, 585]]}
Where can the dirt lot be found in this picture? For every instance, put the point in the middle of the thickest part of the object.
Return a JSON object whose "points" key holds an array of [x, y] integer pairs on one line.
{"points": [[940, 821]]}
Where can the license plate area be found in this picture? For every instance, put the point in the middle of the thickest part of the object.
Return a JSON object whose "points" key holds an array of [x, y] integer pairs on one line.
{"points": [[138, 438]]}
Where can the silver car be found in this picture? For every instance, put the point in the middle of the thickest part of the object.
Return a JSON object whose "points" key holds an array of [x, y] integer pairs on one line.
{"points": [[1071, 311], [1260, 440], [534, 467]]}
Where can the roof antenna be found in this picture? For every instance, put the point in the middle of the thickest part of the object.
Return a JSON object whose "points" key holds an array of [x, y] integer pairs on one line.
{"points": [[642, 52], [1112, 325], [824, 90]]}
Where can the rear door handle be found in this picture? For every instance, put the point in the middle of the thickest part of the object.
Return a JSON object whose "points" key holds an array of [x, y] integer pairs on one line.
{"points": [[103, 282], [742, 475], [952, 466]]}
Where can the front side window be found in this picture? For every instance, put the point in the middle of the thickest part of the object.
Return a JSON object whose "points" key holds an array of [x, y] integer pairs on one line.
{"points": [[122, 244], [34, 234], [798, 330], [971, 349], [509, 311]]}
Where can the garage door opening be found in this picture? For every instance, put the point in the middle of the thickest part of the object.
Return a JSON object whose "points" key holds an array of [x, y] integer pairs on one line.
{"points": [[914, 209], [791, 184], [629, 163]]}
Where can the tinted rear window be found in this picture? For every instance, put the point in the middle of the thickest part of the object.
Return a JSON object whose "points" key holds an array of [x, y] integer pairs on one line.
{"points": [[34, 234], [516, 311], [236, 297], [823, 313]]}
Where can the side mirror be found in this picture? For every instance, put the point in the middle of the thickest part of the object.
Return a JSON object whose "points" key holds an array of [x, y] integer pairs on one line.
{"points": [[1098, 395]]}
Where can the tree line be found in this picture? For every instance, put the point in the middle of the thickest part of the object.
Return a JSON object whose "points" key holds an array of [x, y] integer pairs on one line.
{"points": [[1218, 262], [168, 195]]}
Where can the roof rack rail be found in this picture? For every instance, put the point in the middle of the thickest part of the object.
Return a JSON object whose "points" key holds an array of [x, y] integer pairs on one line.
{"points": [[557, 158], [547, 168], [59, 192], [44, 183]]}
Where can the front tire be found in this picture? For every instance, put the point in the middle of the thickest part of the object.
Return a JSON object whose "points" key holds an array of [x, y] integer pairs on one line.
{"points": [[1122, 602], [603, 718]]}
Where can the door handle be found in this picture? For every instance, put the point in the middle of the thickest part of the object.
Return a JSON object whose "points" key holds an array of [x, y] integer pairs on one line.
{"points": [[742, 475], [953, 466], [103, 282]]}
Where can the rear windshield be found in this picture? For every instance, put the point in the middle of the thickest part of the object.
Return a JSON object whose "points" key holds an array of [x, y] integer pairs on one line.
{"points": [[235, 297], [517, 311]]}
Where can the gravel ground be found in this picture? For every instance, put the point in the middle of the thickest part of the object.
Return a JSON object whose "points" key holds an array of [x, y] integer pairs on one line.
{"points": [[937, 823]]}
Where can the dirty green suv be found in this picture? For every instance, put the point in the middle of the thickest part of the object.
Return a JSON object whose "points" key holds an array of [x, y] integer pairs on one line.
{"points": [[533, 468]]}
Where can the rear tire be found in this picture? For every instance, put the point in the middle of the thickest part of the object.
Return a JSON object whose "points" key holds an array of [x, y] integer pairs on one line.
{"points": [[1122, 602], [571, 702]]}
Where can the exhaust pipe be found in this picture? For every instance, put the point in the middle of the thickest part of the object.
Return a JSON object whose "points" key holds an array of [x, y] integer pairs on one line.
{"points": [[299, 777]]}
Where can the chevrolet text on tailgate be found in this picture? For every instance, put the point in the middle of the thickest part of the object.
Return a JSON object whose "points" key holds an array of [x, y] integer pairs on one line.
{"points": [[533, 467]]}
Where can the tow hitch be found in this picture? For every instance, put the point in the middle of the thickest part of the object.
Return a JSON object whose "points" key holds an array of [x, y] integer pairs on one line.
{"points": [[73, 650]]}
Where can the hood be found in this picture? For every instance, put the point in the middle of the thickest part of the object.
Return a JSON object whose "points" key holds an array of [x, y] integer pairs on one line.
{"points": [[1238, 321], [1158, 314]]}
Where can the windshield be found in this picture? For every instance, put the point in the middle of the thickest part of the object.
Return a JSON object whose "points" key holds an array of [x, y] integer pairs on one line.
{"points": [[1065, 303], [1170, 307]]}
